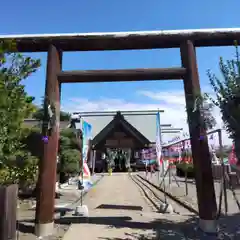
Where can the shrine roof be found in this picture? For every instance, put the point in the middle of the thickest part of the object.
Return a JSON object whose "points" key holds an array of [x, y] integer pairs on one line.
{"points": [[119, 119]]}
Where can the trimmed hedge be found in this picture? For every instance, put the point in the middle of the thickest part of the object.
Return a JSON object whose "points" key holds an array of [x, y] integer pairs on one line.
{"points": [[183, 169]]}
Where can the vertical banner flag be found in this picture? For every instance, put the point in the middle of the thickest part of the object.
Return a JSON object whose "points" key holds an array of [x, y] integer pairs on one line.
{"points": [[86, 137], [158, 139], [232, 159]]}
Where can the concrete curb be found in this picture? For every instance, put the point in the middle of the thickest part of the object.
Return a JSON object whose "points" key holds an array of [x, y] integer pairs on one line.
{"points": [[146, 196], [85, 193], [70, 207], [172, 197], [94, 185], [208, 227]]}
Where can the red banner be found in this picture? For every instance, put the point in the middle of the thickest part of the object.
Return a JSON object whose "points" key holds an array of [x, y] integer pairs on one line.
{"points": [[232, 159]]}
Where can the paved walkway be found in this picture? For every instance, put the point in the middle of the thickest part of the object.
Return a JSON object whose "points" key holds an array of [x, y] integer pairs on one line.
{"points": [[119, 210], [114, 205]]}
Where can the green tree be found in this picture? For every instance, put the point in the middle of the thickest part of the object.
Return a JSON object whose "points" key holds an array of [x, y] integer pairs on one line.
{"points": [[70, 161], [69, 154], [227, 90], [226, 151], [206, 108], [32, 141], [15, 105], [207, 113]]}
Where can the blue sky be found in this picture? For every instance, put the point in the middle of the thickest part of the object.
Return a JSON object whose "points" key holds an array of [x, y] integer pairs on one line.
{"points": [[25, 17]]}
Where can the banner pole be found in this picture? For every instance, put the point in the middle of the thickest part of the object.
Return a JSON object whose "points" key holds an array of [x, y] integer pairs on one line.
{"points": [[82, 162], [159, 136]]}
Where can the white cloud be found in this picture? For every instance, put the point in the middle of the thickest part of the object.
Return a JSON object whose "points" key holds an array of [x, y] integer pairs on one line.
{"points": [[166, 97], [173, 103]]}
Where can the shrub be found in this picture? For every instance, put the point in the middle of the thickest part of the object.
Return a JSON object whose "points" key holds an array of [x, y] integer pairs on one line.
{"points": [[22, 170], [70, 161]]}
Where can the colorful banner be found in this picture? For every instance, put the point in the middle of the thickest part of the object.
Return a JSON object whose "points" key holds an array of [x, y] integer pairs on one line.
{"points": [[232, 159], [86, 137], [149, 154]]}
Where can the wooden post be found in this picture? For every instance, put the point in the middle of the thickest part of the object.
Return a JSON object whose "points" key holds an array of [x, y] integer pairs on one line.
{"points": [[44, 218], [200, 151], [8, 211]]}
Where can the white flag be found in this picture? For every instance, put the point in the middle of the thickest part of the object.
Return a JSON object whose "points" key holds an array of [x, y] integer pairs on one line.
{"points": [[158, 139]]}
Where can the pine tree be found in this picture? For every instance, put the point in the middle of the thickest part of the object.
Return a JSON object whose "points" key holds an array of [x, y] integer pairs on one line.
{"points": [[15, 103]]}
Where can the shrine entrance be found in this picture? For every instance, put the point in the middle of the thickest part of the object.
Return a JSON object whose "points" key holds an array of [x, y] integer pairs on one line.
{"points": [[117, 142], [118, 159], [186, 40]]}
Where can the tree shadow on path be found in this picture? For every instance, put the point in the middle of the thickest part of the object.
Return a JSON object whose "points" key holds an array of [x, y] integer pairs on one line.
{"points": [[159, 228]]}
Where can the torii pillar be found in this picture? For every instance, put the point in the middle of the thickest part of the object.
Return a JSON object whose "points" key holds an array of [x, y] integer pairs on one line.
{"points": [[44, 219], [200, 151]]}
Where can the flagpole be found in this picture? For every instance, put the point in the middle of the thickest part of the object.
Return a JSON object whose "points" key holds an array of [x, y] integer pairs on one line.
{"points": [[157, 154], [160, 150], [82, 161], [158, 118]]}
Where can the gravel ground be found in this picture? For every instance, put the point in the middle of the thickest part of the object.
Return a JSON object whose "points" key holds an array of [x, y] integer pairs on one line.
{"points": [[180, 192], [26, 215], [119, 209], [229, 224]]}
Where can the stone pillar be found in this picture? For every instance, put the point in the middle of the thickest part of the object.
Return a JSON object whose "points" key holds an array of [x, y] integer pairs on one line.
{"points": [[200, 151], [44, 218]]}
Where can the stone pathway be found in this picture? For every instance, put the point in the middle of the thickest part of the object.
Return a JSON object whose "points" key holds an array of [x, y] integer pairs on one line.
{"points": [[118, 210]]}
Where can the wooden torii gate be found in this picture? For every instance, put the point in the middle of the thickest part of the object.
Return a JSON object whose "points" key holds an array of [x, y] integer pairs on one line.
{"points": [[186, 40]]}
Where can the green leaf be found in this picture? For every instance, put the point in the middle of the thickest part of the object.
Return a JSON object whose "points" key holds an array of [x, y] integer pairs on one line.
{"points": [[15, 103], [227, 90]]}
